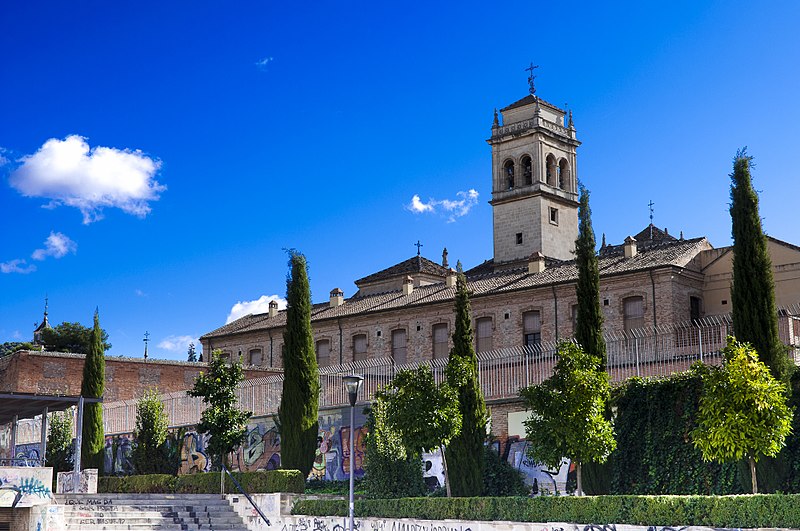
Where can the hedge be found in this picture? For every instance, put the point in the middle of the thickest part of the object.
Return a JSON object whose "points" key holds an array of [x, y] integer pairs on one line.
{"points": [[743, 511], [205, 483]]}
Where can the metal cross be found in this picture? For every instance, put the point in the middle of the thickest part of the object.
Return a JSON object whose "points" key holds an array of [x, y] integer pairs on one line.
{"points": [[418, 245], [651, 204], [146, 341], [531, 77]]}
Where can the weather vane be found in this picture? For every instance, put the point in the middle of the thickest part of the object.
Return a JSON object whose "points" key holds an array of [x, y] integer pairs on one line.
{"points": [[146, 341], [531, 77], [651, 205]]}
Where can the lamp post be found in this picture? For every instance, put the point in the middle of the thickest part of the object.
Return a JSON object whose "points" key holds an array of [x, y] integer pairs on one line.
{"points": [[352, 382]]}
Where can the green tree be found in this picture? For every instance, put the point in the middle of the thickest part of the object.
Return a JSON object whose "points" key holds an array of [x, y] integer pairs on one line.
{"points": [[589, 327], [191, 354], [426, 415], [743, 411], [93, 386], [299, 409], [59, 442], [390, 471], [465, 451], [567, 412], [150, 452], [221, 419], [755, 317], [72, 337], [9, 347]]}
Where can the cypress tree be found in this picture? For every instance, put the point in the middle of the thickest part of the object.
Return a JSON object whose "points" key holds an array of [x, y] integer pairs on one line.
{"points": [[92, 386], [589, 328], [299, 409], [755, 317], [464, 454]]}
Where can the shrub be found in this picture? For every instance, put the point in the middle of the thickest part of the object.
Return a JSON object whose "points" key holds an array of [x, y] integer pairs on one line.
{"points": [[499, 477], [205, 483], [143, 484]]}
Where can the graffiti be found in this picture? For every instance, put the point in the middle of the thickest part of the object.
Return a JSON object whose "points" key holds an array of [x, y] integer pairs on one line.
{"points": [[607, 527], [25, 487], [433, 471], [83, 482], [536, 475], [118, 455], [261, 449], [193, 455], [359, 448]]}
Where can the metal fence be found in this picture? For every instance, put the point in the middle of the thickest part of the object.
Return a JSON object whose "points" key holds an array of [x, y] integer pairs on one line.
{"points": [[652, 351]]}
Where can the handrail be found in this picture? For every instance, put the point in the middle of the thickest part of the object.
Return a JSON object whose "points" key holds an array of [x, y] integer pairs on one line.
{"points": [[244, 493]]}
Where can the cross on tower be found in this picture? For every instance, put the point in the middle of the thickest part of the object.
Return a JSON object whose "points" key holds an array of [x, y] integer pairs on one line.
{"points": [[531, 77], [418, 246]]}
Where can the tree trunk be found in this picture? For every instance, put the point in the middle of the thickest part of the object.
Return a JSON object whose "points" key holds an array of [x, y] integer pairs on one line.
{"points": [[753, 475], [578, 474], [446, 474]]}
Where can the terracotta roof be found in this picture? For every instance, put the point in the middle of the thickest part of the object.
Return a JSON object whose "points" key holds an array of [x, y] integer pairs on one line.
{"points": [[415, 264], [651, 232], [528, 100], [664, 253]]}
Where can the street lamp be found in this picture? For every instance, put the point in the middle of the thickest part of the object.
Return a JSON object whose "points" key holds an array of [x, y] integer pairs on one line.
{"points": [[352, 382]]}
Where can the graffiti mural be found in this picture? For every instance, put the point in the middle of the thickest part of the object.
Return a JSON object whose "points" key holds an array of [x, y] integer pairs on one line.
{"points": [[193, 453], [118, 455], [537, 476], [25, 486], [261, 449]]}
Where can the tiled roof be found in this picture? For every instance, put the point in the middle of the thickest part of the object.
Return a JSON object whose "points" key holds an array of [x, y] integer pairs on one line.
{"points": [[651, 232], [664, 253], [528, 100], [415, 264]]}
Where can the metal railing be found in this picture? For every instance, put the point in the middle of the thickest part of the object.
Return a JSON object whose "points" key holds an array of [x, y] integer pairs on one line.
{"points": [[241, 490], [645, 352]]}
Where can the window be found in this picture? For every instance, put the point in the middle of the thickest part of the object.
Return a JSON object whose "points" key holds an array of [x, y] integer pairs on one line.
{"points": [[531, 329], [519, 238], [633, 313], [574, 318], [440, 341], [483, 336], [323, 352], [554, 216], [359, 347], [255, 357], [399, 353], [508, 173], [551, 169], [695, 308], [563, 174], [527, 170]]}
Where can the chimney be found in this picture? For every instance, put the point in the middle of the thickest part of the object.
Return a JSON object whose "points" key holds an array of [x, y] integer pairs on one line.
{"points": [[408, 286], [337, 298], [536, 263], [630, 247], [450, 279], [273, 308]]}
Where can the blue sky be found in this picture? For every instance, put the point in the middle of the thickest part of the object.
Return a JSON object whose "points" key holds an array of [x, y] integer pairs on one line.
{"points": [[159, 156]]}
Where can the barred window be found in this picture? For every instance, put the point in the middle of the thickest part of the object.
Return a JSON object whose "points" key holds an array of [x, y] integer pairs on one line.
{"points": [[484, 334], [440, 341], [633, 313], [359, 347], [531, 329], [399, 353], [323, 352]]}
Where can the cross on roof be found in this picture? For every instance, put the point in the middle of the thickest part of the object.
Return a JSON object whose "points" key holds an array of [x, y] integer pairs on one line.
{"points": [[418, 246], [531, 77], [650, 205]]}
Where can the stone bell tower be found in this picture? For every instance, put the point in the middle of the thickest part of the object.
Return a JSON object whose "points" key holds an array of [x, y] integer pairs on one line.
{"points": [[534, 181]]}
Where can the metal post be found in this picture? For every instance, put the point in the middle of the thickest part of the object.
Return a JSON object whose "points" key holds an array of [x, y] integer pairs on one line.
{"points": [[14, 440], [78, 437], [636, 343], [43, 444], [700, 341], [352, 464]]}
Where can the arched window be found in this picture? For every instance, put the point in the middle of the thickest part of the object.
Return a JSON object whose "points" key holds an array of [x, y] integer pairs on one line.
{"points": [[552, 169], [508, 173], [563, 175], [527, 170], [399, 348], [323, 352], [633, 313]]}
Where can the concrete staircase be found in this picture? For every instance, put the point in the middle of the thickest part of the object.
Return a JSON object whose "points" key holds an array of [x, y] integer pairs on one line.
{"points": [[148, 512]]}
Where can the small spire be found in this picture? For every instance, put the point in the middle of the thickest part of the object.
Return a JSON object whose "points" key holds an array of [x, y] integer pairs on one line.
{"points": [[496, 122], [444, 258], [571, 124], [602, 245], [681, 238]]}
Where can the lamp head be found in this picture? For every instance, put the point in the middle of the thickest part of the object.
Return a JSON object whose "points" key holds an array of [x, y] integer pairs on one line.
{"points": [[352, 382]]}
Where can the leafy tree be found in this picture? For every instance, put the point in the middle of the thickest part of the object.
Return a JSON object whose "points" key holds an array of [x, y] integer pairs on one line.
{"points": [[9, 347], [150, 453], [465, 451], [425, 415], [221, 419], [743, 411], [93, 386], [72, 337], [299, 408], [390, 471], [589, 327], [567, 409], [755, 318], [191, 354], [59, 442]]}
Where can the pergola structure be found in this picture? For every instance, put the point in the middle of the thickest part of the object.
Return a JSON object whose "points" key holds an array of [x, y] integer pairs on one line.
{"points": [[16, 406]]}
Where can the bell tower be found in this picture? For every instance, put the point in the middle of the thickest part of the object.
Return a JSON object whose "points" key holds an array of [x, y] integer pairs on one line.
{"points": [[534, 180]]}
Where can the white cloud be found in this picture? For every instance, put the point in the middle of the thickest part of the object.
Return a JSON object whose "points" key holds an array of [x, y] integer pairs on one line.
{"points": [[16, 266], [264, 62], [139, 293], [260, 305], [71, 173], [16, 335], [452, 208], [56, 245], [177, 343]]}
